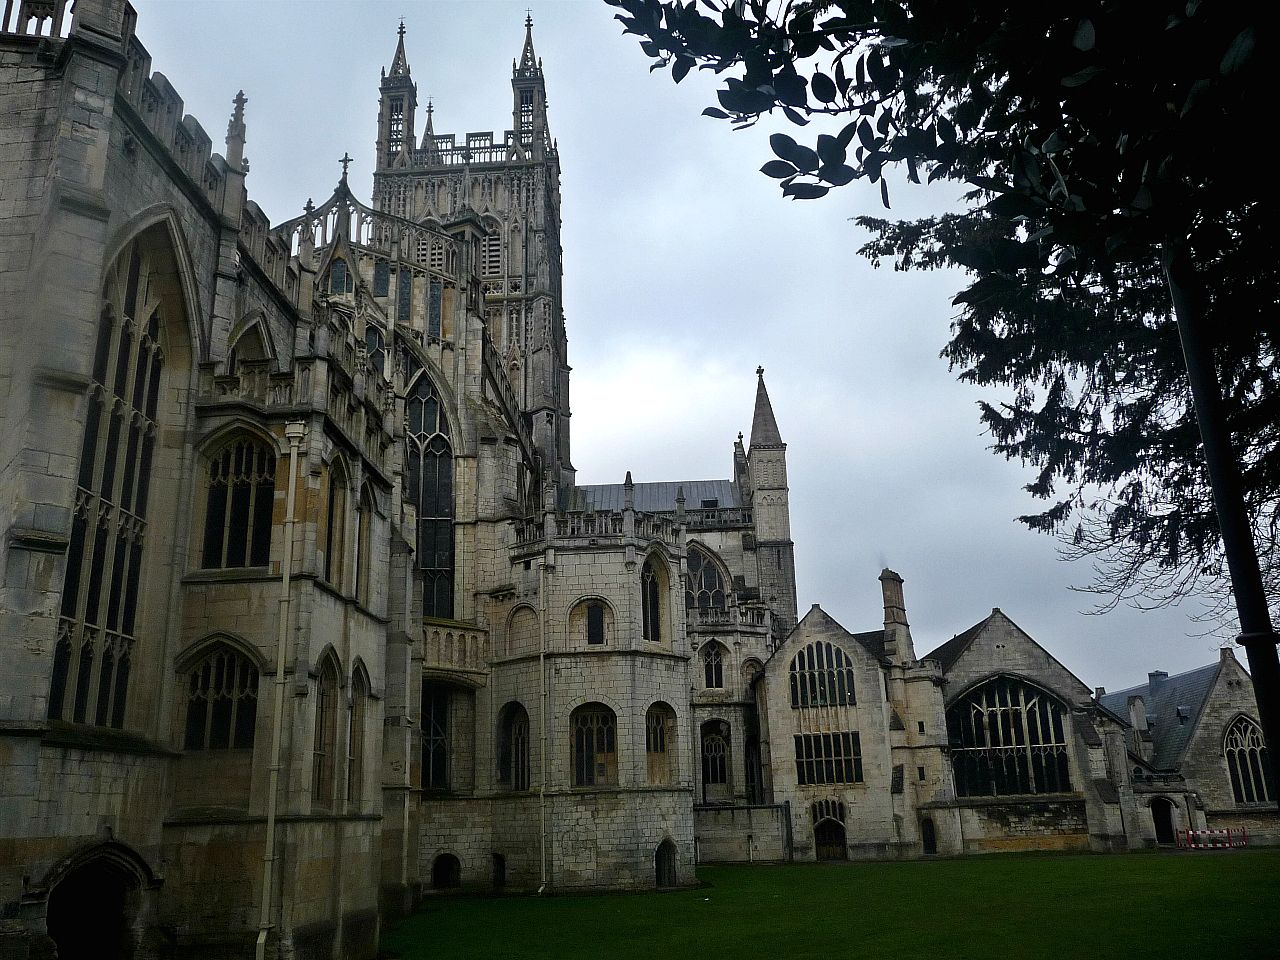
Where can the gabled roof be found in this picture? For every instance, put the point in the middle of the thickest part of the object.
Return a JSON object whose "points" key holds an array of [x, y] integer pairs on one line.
{"points": [[870, 640], [1170, 733], [650, 497], [950, 652]]}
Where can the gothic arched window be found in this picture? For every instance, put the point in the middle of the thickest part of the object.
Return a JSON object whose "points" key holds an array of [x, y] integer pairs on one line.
{"points": [[325, 742], [706, 587], [1008, 737], [659, 742], [364, 546], [513, 747], [821, 676], [715, 759], [1248, 762], [335, 525], [99, 609], [222, 701], [375, 346], [237, 520], [359, 711], [340, 277], [430, 490], [713, 666], [651, 600], [594, 746], [435, 736]]}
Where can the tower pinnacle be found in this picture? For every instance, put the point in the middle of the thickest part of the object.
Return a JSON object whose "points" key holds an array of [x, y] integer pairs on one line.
{"points": [[400, 62], [764, 427]]}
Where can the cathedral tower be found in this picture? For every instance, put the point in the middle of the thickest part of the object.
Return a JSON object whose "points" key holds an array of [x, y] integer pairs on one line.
{"points": [[771, 508], [511, 185]]}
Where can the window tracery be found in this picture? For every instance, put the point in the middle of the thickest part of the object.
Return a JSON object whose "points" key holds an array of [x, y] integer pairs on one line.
{"points": [[651, 601], [713, 666], [435, 736], [430, 490], [356, 734], [237, 528], [98, 614], [325, 740], [660, 731], [1008, 737], [594, 746], [1248, 762], [705, 588], [823, 758], [222, 701], [513, 747], [821, 676], [715, 754]]}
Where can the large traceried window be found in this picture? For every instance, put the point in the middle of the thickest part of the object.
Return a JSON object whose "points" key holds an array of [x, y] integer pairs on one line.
{"points": [[435, 736], [821, 676], [594, 727], [98, 616], [237, 521], [659, 742], [1248, 763], [325, 742], [651, 600], [513, 747], [222, 701], [430, 490], [1008, 737], [706, 587]]}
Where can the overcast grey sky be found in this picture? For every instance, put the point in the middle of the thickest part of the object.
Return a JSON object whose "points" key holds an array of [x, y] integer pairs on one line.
{"points": [[684, 270]]}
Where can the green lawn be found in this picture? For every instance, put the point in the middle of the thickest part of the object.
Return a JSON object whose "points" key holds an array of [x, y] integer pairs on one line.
{"points": [[1171, 906]]}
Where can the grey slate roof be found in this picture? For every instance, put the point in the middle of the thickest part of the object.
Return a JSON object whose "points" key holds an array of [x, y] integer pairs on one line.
{"points": [[657, 497], [1169, 735], [950, 652], [873, 640]]}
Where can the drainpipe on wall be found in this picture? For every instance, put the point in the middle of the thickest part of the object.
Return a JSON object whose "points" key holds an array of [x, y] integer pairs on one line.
{"points": [[294, 431], [542, 721]]}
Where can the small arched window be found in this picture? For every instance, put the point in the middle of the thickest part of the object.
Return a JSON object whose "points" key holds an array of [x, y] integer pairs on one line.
{"points": [[659, 742], [651, 600], [222, 701], [594, 729], [715, 759], [375, 346], [249, 347], [595, 622], [237, 524], [706, 587], [335, 524], [355, 736], [513, 747], [821, 676], [1248, 762], [713, 666]]}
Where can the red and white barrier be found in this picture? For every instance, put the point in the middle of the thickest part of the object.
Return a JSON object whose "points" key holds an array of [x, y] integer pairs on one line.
{"points": [[1213, 839]]}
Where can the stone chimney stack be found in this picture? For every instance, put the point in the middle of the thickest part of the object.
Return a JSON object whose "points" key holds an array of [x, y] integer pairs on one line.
{"points": [[898, 646], [1156, 678]]}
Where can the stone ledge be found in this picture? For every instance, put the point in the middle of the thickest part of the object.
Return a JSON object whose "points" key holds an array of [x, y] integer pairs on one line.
{"points": [[80, 736]]}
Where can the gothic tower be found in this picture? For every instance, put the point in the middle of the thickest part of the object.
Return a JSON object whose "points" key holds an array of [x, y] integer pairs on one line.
{"points": [[771, 508], [512, 188]]}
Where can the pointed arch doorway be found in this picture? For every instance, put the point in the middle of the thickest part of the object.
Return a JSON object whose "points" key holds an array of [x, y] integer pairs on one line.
{"points": [[93, 910], [829, 840]]}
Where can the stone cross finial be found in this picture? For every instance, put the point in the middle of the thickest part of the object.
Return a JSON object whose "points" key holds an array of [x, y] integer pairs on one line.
{"points": [[760, 372], [346, 162], [401, 31], [528, 17], [309, 208]]}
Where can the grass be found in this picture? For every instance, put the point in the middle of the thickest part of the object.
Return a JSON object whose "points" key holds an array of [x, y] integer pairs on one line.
{"points": [[1160, 905]]}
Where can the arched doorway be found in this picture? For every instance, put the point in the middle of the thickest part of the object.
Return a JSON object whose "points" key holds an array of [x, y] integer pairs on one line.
{"points": [[828, 840], [446, 872], [93, 910], [928, 836], [664, 864], [1162, 814]]}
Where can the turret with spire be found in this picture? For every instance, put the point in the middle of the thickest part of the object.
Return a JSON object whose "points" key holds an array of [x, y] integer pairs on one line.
{"points": [[771, 508], [399, 100], [529, 107]]}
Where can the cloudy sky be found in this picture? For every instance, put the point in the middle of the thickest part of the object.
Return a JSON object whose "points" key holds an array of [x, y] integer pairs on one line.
{"points": [[684, 270]]}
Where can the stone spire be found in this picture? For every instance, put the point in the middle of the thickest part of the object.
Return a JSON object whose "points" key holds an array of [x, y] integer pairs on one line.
{"points": [[764, 428], [400, 63], [529, 66]]}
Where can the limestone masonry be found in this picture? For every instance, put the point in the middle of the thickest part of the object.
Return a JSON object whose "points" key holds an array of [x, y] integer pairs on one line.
{"points": [[304, 614]]}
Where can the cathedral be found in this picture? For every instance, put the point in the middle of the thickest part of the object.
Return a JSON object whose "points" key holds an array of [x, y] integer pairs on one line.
{"points": [[305, 616]]}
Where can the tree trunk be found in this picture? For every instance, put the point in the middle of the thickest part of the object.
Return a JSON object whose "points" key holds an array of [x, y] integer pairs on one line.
{"points": [[1256, 633]]}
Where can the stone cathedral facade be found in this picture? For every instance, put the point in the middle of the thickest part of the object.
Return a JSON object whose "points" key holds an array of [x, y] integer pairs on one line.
{"points": [[304, 614]]}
